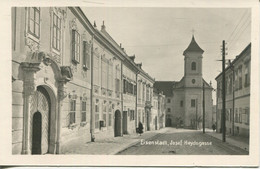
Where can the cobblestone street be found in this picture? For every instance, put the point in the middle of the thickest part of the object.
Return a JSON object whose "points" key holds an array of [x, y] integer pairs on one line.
{"points": [[183, 142]]}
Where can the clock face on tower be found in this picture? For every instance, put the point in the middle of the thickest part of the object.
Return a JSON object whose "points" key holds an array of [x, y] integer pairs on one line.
{"points": [[193, 81]]}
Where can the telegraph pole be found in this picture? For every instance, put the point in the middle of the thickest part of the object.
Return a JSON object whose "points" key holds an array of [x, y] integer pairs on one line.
{"points": [[203, 107], [223, 93], [196, 114]]}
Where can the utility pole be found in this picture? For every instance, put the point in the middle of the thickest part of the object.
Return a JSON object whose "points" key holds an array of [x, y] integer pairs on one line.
{"points": [[203, 107], [196, 114], [223, 93]]}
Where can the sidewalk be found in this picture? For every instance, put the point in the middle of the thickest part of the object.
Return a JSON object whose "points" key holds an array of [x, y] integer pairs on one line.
{"points": [[109, 146], [237, 141]]}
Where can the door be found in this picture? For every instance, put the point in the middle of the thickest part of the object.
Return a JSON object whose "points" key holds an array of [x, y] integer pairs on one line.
{"points": [[147, 120], [124, 122], [155, 121], [37, 133], [117, 129], [40, 107], [168, 122]]}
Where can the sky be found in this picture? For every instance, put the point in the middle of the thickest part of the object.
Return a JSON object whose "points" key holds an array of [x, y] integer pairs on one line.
{"points": [[158, 36]]}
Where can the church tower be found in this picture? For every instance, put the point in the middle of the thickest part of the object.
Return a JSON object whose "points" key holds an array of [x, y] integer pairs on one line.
{"points": [[193, 82], [193, 65]]}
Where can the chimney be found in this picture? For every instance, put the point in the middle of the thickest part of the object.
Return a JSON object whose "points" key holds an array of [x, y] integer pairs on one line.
{"points": [[132, 58], [95, 26], [103, 27], [139, 65]]}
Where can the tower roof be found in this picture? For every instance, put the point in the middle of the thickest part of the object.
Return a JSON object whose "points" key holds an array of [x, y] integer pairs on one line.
{"points": [[193, 47]]}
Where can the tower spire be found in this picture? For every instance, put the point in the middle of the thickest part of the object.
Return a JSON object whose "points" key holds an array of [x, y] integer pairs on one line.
{"points": [[193, 31]]}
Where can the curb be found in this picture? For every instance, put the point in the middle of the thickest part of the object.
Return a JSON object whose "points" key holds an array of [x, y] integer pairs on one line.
{"points": [[132, 144]]}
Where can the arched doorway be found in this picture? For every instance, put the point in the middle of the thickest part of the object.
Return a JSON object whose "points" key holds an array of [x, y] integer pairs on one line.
{"points": [[168, 122], [117, 128], [40, 121], [37, 133]]}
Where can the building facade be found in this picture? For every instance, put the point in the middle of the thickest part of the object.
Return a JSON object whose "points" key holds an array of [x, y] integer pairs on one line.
{"points": [[71, 81], [51, 79], [144, 98], [184, 98], [237, 87]]}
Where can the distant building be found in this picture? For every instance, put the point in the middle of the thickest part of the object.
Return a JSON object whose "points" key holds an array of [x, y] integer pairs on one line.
{"points": [[237, 95], [144, 97], [184, 98]]}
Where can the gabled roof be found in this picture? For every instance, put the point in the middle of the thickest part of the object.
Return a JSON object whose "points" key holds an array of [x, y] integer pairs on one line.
{"points": [[165, 86], [193, 47]]}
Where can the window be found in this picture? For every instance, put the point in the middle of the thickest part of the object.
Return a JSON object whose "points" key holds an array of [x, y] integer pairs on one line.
{"points": [[97, 114], [193, 66], [240, 115], [247, 114], [193, 102], [236, 80], [117, 85], [110, 76], [247, 75], [72, 111], [181, 103], [147, 93], [240, 77], [110, 120], [34, 21], [104, 67], [96, 70], [230, 84], [168, 100], [143, 92], [125, 85], [86, 55], [83, 111], [135, 90], [104, 118], [75, 46], [169, 110], [132, 115], [110, 115], [56, 38], [104, 113]]}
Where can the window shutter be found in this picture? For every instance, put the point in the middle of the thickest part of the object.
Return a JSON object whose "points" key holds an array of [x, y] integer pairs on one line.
{"points": [[88, 56], [84, 54]]}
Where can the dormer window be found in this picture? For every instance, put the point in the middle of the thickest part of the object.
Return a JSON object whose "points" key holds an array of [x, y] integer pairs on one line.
{"points": [[193, 66]]}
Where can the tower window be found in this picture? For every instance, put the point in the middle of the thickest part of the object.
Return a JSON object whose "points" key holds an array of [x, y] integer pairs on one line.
{"points": [[193, 66]]}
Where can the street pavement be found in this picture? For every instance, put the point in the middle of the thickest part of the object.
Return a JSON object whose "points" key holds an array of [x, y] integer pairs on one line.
{"points": [[183, 142], [166, 141], [108, 146]]}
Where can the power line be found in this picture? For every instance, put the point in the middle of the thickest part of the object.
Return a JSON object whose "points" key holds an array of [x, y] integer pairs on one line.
{"points": [[239, 34], [231, 40], [239, 21]]}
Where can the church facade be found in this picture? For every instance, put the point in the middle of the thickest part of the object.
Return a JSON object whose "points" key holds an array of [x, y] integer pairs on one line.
{"points": [[184, 98]]}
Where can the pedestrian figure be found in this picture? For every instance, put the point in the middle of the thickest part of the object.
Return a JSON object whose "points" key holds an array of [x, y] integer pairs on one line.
{"points": [[140, 128], [213, 127]]}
